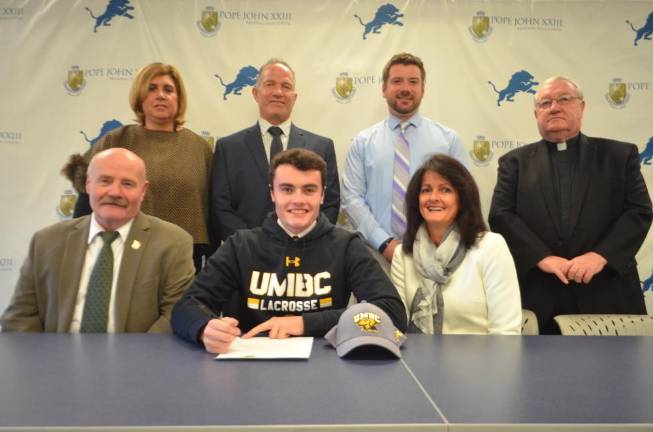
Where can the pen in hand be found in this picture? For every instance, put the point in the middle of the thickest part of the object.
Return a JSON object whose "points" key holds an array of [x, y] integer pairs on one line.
{"points": [[218, 333]]}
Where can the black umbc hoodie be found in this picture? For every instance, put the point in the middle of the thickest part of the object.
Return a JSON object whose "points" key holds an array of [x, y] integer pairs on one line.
{"points": [[277, 275]]}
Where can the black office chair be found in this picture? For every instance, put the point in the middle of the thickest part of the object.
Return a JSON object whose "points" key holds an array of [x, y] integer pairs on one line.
{"points": [[529, 325], [605, 325]]}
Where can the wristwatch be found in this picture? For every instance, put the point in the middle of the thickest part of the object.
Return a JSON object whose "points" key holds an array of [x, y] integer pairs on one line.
{"points": [[384, 245]]}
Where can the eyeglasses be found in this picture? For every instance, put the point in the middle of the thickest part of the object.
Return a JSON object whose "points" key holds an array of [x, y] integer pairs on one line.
{"points": [[563, 100]]}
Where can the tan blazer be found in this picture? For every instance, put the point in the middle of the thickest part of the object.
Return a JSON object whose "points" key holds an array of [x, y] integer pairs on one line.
{"points": [[152, 277]]}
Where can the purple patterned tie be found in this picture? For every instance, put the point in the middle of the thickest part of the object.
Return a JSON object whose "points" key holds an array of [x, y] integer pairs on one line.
{"points": [[399, 183]]}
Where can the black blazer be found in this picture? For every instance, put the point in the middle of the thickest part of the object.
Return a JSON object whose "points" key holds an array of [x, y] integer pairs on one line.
{"points": [[610, 215], [240, 195]]}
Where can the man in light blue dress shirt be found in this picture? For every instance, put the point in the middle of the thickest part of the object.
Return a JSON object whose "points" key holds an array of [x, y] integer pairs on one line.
{"points": [[369, 168]]}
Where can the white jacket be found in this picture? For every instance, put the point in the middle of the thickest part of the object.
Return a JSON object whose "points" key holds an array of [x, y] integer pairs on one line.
{"points": [[482, 295]]}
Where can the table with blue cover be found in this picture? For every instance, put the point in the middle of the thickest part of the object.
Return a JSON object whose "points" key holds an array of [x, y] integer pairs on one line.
{"points": [[133, 382], [537, 382]]}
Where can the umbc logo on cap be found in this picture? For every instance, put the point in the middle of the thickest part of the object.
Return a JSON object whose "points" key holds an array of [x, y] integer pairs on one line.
{"points": [[365, 324]]}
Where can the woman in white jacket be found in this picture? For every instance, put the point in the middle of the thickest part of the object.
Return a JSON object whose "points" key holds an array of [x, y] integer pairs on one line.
{"points": [[453, 275]]}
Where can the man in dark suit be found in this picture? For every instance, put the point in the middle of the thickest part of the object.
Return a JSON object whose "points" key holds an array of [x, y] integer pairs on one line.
{"points": [[59, 289], [574, 211], [240, 194]]}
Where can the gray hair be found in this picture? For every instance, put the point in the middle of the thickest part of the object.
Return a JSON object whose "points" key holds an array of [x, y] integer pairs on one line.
{"points": [[273, 60], [579, 91]]}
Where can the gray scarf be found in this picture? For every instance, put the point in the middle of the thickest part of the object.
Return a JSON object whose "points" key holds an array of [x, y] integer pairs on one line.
{"points": [[435, 264]]}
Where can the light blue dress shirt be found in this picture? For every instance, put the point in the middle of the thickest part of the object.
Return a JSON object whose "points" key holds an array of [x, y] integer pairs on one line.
{"points": [[369, 169]]}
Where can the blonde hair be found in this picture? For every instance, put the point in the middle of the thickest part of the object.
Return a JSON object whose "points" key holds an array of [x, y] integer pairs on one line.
{"points": [[139, 90]]}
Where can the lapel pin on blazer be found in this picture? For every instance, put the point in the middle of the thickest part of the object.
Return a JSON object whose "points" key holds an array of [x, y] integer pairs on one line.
{"points": [[136, 245]]}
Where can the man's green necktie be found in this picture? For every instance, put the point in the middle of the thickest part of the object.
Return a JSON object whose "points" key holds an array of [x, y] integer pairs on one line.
{"points": [[98, 293]]}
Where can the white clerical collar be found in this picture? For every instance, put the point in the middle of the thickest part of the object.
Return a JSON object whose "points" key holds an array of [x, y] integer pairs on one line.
{"points": [[265, 125], [561, 146], [301, 234], [95, 228]]}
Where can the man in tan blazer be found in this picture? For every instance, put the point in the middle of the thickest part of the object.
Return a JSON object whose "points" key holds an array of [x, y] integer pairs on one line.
{"points": [[152, 267]]}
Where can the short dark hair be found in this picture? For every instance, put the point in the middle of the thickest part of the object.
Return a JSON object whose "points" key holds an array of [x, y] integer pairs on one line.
{"points": [[302, 159], [469, 219], [403, 59]]}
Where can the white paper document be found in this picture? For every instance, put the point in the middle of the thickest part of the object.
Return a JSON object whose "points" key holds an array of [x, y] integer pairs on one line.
{"points": [[266, 348]]}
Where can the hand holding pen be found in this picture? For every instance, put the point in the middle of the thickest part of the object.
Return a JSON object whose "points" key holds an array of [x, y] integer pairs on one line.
{"points": [[219, 333]]}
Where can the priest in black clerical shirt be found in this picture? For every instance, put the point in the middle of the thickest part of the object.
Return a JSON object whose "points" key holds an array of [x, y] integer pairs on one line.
{"points": [[574, 211]]}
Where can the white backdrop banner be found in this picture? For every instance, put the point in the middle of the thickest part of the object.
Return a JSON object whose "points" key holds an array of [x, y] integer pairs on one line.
{"points": [[67, 66]]}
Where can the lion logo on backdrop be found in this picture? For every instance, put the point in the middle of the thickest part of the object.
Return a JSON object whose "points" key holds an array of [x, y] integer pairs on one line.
{"points": [[647, 284], [209, 23], [75, 81], [480, 28], [115, 8], [617, 95], [107, 126], [344, 90], [520, 82], [246, 78], [646, 156], [643, 32], [386, 14], [68, 199]]}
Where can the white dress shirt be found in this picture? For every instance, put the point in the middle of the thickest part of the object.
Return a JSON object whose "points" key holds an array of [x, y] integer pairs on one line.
{"points": [[298, 235], [95, 243], [267, 137]]}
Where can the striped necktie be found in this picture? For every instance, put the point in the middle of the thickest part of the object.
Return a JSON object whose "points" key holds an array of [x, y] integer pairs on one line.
{"points": [[98, 293], [400, 182]]}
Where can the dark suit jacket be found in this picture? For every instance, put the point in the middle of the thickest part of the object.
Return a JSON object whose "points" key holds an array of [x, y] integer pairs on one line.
{"points": [[610, 215], [156, 269], [240, 195]]}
